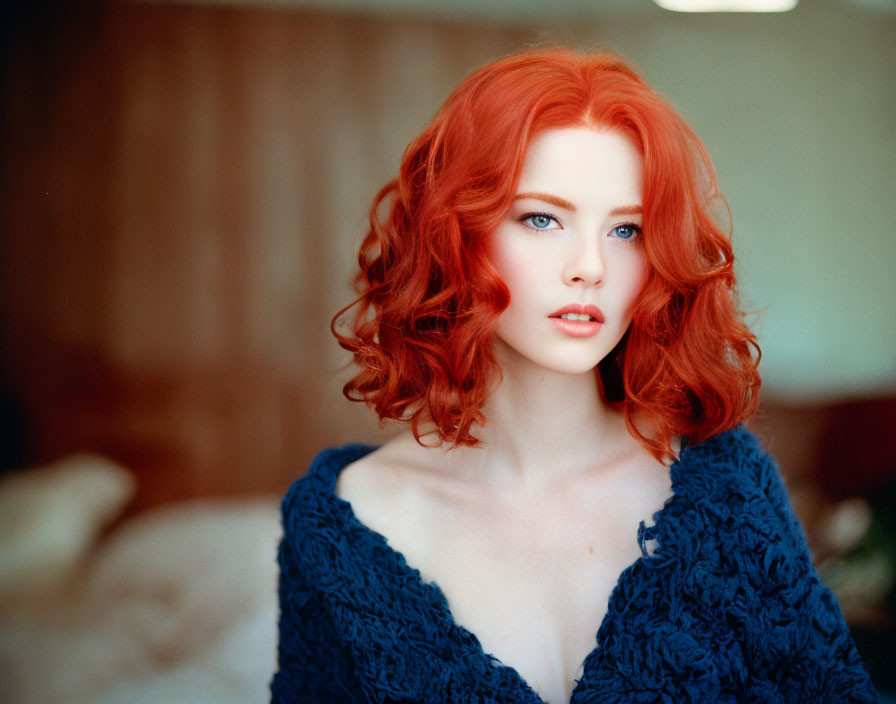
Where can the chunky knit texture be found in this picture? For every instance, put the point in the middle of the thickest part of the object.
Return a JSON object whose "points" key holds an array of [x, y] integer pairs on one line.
{"points": [[723, 606]]}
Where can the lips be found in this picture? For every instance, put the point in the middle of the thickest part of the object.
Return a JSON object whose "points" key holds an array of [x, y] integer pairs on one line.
{"points": [[595, 313]]}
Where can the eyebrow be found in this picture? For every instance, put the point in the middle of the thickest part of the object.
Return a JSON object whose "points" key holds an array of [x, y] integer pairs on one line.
{"points": [[566, 205]]}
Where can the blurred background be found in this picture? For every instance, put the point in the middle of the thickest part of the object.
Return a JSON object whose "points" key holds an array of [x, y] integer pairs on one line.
{"points": [[184, 186]]}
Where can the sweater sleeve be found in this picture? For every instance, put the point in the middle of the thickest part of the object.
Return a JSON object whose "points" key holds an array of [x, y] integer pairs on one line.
{"points": [[313, 664], [800, 646]]}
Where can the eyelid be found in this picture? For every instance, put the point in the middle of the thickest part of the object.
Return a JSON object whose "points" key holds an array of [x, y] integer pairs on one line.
{"points": [[639, 232], [523, 220]]}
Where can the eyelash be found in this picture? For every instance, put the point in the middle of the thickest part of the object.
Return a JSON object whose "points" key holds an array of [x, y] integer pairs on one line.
{"points": [[524, 221], [631, 226]]}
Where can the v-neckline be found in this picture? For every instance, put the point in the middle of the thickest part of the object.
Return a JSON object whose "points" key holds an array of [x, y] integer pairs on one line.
{"points": [[437, 598]]}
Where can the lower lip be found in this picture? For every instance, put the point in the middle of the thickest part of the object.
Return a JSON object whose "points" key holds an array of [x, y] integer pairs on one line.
{"points": [[577, 328]]}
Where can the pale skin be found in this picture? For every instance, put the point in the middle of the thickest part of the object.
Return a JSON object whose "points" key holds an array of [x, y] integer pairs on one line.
{"points": [[527, 533]]}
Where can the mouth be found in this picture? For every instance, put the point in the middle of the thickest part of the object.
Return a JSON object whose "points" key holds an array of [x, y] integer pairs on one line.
{"points": [[578, 312], [576, 316], [578, 320]]}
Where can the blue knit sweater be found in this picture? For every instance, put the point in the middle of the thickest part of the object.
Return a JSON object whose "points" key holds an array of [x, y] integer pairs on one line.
{"points": [[724, 607]]}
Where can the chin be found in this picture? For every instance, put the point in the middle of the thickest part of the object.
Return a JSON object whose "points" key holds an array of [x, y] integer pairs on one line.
{"points": [[574, 369], [558, 361], [566, 365]]}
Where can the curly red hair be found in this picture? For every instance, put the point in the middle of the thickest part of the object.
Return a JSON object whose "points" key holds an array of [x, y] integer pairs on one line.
{"points": [[429, 299]]}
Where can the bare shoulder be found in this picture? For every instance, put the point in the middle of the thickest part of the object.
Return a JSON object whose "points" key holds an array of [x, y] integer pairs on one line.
{"points": [[380, 471], [386, 488]]}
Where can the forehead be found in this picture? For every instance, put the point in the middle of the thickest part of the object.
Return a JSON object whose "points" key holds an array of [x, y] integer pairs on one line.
{"points": [[583, 163]]}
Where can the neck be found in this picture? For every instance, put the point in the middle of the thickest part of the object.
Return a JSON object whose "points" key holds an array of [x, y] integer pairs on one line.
{"points": [[542, 425]]}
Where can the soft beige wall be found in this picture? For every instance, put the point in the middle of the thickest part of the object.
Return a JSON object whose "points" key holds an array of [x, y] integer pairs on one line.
{"points": [[799, 112]]}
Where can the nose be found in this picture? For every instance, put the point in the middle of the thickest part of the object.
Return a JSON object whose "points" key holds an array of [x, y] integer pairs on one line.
{"points": [[585, 263]]}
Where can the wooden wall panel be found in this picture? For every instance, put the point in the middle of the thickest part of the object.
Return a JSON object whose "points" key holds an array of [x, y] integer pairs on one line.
{"points": [[183, 193]]}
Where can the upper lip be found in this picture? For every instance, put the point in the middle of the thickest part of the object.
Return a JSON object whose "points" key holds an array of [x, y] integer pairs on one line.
{"points": [[580, 308]]}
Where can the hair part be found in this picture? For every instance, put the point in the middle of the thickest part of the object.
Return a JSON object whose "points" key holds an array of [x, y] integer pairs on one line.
{"points": [[429, 300]]}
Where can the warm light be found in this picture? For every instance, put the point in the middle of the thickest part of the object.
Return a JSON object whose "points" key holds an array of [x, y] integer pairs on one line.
{"points": [[727, 5]]}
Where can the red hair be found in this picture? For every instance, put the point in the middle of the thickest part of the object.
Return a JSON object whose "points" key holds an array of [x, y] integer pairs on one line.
{"points": [[429, 299]]}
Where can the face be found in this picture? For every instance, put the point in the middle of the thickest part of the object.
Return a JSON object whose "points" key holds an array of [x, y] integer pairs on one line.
{"points": [[570, 251]]}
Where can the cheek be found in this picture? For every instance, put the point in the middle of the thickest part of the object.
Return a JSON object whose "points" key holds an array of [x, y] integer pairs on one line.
{"points": [[513, 273], [636, 279], [516, 266]]}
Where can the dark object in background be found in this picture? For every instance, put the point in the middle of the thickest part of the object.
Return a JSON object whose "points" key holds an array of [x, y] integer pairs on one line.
{"points": [[14, 438], [855, 454]]}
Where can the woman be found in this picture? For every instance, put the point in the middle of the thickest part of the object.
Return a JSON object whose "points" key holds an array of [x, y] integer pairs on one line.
{"points": [[548, 305]]}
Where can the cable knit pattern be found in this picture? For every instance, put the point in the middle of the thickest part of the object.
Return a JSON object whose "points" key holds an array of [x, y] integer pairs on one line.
{"points": [[723, 606]]}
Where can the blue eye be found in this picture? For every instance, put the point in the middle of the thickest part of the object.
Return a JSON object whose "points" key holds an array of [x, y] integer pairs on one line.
{"points": [[540, 221], [626, 232]]}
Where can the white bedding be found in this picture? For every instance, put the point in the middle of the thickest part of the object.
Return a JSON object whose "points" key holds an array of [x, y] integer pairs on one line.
{"points": [[175, 605]]}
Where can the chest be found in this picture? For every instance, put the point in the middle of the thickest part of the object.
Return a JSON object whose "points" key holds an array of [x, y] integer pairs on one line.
{"points": [[534, 600], [532, 580]]}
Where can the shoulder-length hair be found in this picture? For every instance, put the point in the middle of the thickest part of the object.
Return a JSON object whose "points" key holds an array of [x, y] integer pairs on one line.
{"points": [[429, 299]]}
